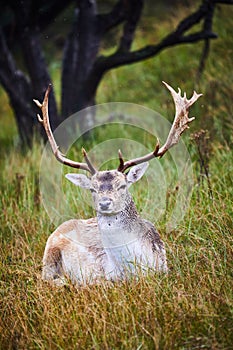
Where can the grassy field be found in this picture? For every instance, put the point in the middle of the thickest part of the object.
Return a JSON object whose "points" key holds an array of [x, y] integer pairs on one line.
{"points": [[192, 306]]}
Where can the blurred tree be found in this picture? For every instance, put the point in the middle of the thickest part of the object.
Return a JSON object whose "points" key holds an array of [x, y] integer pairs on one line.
{"points": [[23, 22]]}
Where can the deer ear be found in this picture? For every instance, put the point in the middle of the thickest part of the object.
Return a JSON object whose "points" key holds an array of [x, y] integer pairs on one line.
{"points": [[136, 173], [80, 180]]}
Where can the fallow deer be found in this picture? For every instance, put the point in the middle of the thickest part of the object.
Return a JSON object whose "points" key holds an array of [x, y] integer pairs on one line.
{"points": [[117, 243]]}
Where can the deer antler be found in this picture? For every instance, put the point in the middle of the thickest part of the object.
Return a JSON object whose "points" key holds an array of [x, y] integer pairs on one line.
{"points": [[55, 148], [180, 124]]}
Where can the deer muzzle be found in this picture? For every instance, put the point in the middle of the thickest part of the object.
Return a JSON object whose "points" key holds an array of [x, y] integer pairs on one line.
{"points": [[105, 204]]}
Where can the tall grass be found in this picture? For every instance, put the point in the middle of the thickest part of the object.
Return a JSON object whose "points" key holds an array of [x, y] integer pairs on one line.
{"points": [[192, 306]]}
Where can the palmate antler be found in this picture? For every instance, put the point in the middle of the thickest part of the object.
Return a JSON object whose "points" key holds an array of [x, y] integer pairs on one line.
{"points": [[180, 124], [55, 148]]}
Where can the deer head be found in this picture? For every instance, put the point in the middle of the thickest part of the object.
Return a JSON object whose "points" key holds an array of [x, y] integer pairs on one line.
{"points": [[110, 188]]}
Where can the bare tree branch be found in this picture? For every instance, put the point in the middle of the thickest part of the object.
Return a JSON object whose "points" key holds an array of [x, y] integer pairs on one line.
{"points": [[172, 39], [119, 59], [176, 37], [133, 13], [110, 20], [207, 27]]}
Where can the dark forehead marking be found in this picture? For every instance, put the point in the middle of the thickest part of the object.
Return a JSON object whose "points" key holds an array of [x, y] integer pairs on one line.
{"points": [[106, 187], [106, 176]]}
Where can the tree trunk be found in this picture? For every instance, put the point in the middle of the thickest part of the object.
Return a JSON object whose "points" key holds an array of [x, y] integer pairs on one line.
{"points": [[81, 49], [19, 91], [24, 115], [34, 58]]}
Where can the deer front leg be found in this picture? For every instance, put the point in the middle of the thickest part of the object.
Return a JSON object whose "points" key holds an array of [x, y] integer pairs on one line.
{"points": [[52, 267]]}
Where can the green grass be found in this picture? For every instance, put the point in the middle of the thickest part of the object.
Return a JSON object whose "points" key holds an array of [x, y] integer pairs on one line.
{"points": [[191, 307], [188, 309]]}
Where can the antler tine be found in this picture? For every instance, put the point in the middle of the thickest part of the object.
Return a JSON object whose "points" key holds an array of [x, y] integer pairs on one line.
{"points": [[180, 124], [181, 120], [124, 166], [121, 160], [55, 148], [90, 166]]}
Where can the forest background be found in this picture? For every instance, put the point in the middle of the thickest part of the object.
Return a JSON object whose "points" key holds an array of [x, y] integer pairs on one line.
{"points": [[191, 307]]}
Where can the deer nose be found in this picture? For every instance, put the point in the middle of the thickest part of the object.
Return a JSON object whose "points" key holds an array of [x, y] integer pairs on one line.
{"points": [[105, 203]]}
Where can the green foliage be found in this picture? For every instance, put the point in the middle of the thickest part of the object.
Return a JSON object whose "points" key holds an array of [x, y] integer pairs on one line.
{"points": [[191, 307]]}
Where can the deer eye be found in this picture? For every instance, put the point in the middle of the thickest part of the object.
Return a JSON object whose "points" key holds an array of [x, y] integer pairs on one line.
{"points": [[121, 187]]}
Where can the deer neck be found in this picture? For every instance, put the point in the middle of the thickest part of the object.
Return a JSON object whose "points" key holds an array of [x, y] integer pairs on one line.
{"points": [[121, 228]]}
